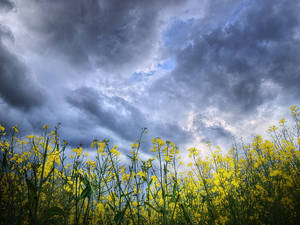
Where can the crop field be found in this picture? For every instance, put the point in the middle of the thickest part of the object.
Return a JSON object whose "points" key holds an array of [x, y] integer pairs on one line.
{"points": [[252, 183]]}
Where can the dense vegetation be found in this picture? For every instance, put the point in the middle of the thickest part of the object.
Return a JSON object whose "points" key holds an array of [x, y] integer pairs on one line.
{"points": [[257, 183]]}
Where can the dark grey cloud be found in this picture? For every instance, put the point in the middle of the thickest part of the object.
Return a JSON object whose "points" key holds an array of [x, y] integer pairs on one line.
{"points": [[208, 131], [16, 87], [71, 62], [113, 113], [118, 115], [231, 64], [111, 34], [6, 5]]}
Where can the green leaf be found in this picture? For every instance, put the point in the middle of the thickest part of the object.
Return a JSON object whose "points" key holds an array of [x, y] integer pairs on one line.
{"points": [[87, 192], [186, 214], [49, 174], [119, 217], [53, 215], [157, 210]]}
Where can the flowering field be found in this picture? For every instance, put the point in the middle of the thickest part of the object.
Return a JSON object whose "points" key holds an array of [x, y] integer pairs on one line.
{"points": [[255, 183]]}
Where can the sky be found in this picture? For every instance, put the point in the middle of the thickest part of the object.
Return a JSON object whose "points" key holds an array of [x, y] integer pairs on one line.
{"points": [[189, 70]]}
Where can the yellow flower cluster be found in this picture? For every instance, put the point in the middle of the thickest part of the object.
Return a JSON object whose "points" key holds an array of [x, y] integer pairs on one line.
{"points": [[249, 184]]}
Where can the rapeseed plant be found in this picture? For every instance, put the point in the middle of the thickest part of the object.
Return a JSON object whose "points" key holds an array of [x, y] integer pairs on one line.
{"points": [[255, 183]]}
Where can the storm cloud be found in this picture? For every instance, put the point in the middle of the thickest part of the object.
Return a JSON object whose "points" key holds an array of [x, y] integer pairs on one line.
{"points": [[6, 5], [118, 115], [117, 36], [189, 71], [236, 65], [16, 87]]}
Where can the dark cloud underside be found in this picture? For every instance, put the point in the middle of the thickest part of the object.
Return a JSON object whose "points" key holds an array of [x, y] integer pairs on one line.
{"points": [[16, 87], [118, 115], [110, 67], [112, 34], [6, 5], [231, 65]]}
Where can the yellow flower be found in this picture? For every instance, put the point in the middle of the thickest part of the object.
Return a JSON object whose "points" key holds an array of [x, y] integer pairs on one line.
{"points": [[7, 144], [154, 179], [272, 128], [122, 169], [135, 145], [125, 177], [274, 173], [30, 137], [91, 163], [100, 209], [168, 159], [15, 128], [158, 141], [115, 152], [2, 129], [282, 122], [142, 174], [78, 151]]}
